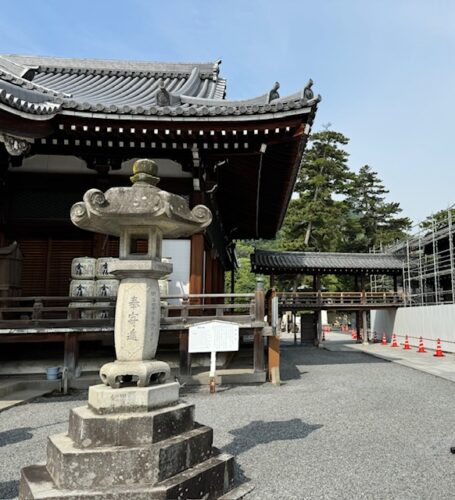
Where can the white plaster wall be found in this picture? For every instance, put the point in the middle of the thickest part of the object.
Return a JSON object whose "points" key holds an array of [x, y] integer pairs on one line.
{"points": [[324, 318], [429, 322], [179, 251]]}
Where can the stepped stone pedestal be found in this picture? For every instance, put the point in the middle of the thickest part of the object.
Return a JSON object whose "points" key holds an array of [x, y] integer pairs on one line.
{"points": [[155, 450]]}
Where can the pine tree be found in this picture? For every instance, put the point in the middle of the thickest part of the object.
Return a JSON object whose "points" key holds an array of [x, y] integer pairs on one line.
{"points": [[315, 218], [372, 220]]}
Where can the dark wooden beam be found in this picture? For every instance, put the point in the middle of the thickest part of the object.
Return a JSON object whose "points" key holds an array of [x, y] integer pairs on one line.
{"points": [[71, 354], [196, 263], [184, 355]]}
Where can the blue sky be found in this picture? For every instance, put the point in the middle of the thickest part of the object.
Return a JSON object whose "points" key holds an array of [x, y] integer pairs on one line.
{"points": [[385, 69]]}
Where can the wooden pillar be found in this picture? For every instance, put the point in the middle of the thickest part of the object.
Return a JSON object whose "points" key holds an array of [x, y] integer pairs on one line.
{"points": [[196, 263], [221, 278], [258, 350], [357, 313], [318, 313], [209, 271], [197, 251], [259, 300], [357, 326], [395, 283], [259, 311], [274, 359], [184, 355], [365, 327], [273, 351], [71, 354], [364, 313]]}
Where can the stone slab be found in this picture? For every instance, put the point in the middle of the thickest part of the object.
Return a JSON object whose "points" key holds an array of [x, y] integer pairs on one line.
{"points": [[88, 468], [88, 429], [209, 480], [103, 399]]}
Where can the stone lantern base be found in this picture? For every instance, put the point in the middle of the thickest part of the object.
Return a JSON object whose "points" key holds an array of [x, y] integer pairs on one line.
{"points": [[133, 443]]}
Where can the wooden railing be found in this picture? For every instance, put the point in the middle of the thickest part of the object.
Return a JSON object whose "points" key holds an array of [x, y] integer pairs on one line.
{"points": [[339, 299], [53, 319], [54, 312], [177, 311]]}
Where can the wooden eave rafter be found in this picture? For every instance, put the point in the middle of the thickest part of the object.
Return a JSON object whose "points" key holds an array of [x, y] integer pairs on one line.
{"points": [[215, 141]]}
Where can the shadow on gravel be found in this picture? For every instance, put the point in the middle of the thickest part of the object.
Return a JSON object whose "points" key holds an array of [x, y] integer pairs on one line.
{"points": [[58, 397], [9, 489], [323, 357], [295, 360], [12, 436], [260, 432]]}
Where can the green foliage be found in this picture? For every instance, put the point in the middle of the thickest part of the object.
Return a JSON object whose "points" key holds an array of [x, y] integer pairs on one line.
{"points": [[245, 280], [439, 220], [315, 220], [372, 221]]}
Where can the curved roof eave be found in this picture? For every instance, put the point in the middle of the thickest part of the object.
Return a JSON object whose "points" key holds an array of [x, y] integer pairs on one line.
{"points": [[26, 115], [193, 118], [135, 91]]}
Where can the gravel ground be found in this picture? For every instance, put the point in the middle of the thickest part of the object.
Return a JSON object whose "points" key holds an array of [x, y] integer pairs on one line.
{"points": [[342, 425]]}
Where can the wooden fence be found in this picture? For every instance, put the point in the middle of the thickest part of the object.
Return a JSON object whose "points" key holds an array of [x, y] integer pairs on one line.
{"points": [[339, 300], [71, 319]]}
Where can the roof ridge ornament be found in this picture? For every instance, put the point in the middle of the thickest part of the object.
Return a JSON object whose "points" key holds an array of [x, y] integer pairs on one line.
{"points": [[307, 92], [273, 94], [216, 69], [163, 97], [15, 146]]}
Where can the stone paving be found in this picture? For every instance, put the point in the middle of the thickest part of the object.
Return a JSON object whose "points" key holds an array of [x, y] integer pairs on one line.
{"points": [[343, 425]]}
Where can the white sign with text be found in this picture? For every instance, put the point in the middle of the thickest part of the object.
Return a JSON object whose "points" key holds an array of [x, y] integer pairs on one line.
{"points": [[214, 336]]}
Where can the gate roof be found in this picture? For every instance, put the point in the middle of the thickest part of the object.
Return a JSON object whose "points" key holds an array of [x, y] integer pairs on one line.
{"points": [[270, 262]]}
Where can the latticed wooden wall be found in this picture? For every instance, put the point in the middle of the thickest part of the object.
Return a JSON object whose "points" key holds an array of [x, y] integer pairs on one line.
{"points": [[47, 263]]}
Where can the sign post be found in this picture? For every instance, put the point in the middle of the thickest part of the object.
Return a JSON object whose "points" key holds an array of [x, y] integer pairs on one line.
{"points": [[212, 337]]}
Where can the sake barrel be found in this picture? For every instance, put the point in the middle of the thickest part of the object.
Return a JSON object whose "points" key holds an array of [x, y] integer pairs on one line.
{"points": [[82, 288], [106, 288], [83, 268], [104, 313], [102, 268]]}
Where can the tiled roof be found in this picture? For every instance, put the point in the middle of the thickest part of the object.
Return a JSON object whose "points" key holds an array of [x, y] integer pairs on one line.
{"points": [[49, 85], [268, 262]]}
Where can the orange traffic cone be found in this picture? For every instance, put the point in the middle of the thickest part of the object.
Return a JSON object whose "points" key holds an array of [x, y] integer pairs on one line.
{"points": [[394, 341], [439, 353], [354, 334], [375, 338], [406, 347], [384, 339], [421, 346]]}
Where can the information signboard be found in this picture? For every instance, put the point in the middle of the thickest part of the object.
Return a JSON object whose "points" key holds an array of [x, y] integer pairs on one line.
{"points": [[213, 336]]}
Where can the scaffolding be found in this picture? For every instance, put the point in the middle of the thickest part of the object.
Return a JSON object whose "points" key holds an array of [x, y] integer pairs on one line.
{"points": [[428, 262]]}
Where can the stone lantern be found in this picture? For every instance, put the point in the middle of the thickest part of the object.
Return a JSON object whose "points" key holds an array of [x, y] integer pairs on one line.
{"points": [[143, 213], [140, 441]]}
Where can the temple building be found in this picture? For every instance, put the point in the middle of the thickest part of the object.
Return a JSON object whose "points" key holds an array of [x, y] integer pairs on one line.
{"points": [[71, 124], [68, 125]]}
